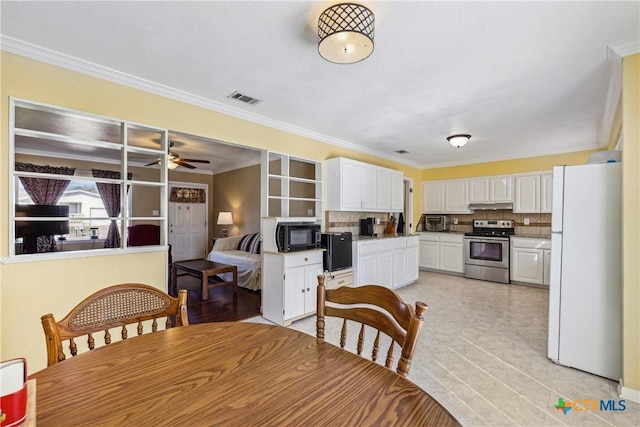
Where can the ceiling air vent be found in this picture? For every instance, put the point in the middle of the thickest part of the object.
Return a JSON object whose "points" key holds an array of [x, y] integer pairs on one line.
{"points": [[402, 151], [244, 98]]}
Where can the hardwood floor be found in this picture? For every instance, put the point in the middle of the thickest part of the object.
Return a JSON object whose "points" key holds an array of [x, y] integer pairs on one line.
{"points": [[221, 306]]}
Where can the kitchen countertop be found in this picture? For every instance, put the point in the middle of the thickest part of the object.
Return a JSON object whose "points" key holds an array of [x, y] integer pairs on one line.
{"points": [[531, 236], [357, 237]]}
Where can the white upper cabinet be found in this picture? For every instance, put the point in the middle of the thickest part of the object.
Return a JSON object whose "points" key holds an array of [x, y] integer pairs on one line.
{"points": [[358, 186], [397, 191], [546, 190], [456, 197], [497, 189], [532, 192], [433, 197]]}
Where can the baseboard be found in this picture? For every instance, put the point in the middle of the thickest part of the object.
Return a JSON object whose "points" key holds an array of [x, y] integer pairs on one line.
{"points": [[628, 393]]}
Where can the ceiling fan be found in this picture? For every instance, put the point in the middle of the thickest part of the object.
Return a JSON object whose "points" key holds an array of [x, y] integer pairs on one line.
{"points": [[175, 161]]}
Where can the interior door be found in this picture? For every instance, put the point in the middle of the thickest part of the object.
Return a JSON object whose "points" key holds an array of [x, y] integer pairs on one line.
{"points": [[187, 230]]}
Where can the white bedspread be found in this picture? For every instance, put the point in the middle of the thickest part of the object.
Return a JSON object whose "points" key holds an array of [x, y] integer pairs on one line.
{"points": [[249, 266]]}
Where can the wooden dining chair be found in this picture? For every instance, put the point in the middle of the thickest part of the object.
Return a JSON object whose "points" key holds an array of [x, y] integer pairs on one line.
{"points": [[111, 307], [399, 321]]}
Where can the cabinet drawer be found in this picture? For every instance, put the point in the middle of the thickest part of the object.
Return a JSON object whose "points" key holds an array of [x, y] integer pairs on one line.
{"points": [[431, 237], [337, 281], [412, 242], [451, 238], [302, 258], [367, 248], [399, 243], [530, 242]]}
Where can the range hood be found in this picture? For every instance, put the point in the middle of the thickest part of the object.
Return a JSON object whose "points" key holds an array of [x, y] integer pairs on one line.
{"points": [[489, 206]]}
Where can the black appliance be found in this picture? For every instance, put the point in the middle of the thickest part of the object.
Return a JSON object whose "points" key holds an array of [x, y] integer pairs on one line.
{"points": [[29, 231], [367, 226], [338, 251], [297, 236]]}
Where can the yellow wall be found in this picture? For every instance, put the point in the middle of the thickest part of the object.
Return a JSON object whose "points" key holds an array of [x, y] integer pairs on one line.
{"points": [[529, 164], [238, 192], [631, 221]]}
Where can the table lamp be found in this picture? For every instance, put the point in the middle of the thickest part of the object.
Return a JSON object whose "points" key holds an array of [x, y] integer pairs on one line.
{"points": [[224, 219]]}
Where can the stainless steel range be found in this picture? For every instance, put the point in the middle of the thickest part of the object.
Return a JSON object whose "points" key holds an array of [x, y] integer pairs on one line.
{"points": [[486, 250]]}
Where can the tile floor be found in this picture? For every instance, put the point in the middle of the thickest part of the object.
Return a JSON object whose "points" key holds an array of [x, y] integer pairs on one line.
{"points": [[482, 355]]}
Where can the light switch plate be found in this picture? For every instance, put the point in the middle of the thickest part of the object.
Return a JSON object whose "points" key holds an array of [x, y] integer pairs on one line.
{"points": [[455, 221], [155, 212], [526, 221]]}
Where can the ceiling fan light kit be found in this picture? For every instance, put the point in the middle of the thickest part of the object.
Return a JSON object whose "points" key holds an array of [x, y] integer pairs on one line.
{"points": [[458, 140], [345, 33]]}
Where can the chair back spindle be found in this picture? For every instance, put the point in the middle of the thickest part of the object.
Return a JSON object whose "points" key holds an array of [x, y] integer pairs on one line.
{"points": [[379, 308]]}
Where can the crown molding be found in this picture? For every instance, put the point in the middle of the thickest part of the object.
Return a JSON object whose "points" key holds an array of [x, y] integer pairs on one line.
{"points": [[626, 48], [52, 57]]}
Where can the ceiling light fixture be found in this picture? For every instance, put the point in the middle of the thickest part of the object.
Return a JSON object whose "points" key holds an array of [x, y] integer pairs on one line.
{"points": [[171, 165], [458, 140], [345, 33]]}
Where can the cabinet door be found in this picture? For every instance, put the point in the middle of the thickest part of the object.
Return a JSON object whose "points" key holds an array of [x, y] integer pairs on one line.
{"points": [[350, 187], [451, 257], [433, 197], [368, 186], [383, 187], [367, 269], [546, 262], [500, 189], [478, 190], [397, 192], [546, 190], [384, 267], [527, 265], [412, 263], [527, 194], [429, 257], [294, 294], [311, 291], [456, 198], [399, 267]]}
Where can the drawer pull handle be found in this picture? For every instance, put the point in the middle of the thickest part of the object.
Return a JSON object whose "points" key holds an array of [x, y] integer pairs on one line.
{"points": [[303, 290], [308, 290], [306, 259]]}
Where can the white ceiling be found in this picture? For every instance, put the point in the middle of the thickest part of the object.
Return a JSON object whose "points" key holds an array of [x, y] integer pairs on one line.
{"points": [[523, 78]]}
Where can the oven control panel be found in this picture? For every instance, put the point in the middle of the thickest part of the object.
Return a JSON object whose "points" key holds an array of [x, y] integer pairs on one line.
{"points": [[493, 223]]}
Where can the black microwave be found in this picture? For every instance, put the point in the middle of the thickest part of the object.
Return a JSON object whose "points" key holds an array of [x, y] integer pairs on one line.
{"points": [[297, 236]]}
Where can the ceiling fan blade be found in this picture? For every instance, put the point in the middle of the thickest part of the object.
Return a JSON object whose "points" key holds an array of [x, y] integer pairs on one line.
{"points": [[182, 163], [196, 161], [157, 162]]}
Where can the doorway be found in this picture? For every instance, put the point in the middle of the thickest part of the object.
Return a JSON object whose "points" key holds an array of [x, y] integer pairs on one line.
{"points": [[188, 229]]}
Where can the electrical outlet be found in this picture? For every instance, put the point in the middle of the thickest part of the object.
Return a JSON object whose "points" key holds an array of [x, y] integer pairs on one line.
{"points": [[309, 212], [526, 221], [155, 212], [455, 221]]}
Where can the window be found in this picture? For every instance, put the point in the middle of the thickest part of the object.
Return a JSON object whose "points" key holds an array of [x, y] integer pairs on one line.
{"points": [[81, 180]]}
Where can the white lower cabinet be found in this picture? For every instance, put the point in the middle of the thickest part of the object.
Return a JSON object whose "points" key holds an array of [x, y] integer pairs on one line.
{"points": [[530, 260], [390, 262], [289, 285], [442, 251]]}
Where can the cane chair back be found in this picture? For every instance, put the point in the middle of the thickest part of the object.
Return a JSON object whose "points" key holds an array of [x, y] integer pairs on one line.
{"points": [[113, 307], [391, 316]]}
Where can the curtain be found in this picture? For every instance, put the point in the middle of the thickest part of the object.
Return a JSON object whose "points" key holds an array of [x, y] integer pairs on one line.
{"points": [[187, 195], [44, 191], [110, 194]]}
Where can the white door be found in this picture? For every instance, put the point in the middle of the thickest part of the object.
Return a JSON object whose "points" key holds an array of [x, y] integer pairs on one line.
{"points": [[187, 230], [294, 292]]}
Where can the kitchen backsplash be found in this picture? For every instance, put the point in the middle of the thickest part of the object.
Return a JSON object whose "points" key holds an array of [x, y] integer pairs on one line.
{"points": [[539, 224]]}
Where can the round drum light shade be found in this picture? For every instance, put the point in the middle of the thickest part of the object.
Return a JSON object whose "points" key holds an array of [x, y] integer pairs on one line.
{"points": [[346, 32], [458, 140]]}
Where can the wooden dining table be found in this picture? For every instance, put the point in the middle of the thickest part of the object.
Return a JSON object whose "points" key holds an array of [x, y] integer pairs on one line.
{"points": [[229, 373]]}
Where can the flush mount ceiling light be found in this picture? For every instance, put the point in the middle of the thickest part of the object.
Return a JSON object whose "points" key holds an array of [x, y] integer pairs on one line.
{"points": [[345, 33], [458, 140]]}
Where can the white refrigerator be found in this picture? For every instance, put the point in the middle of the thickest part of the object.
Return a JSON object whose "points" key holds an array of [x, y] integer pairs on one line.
{"points": [[585, 302]]}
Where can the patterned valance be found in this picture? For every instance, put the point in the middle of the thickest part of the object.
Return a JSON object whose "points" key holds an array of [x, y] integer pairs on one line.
{"points": [[30, 167], [187, 195]]}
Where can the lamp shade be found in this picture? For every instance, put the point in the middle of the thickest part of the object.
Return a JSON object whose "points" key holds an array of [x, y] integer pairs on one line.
{"points": [[225, 218], [345, 33], [458, 140]]}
